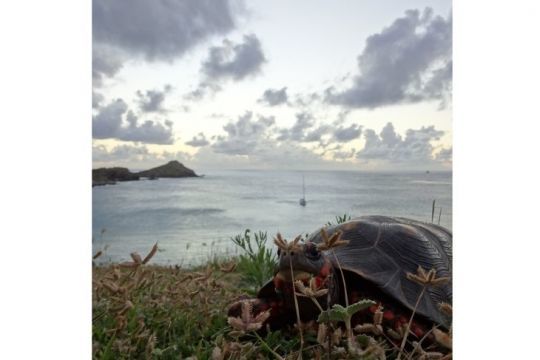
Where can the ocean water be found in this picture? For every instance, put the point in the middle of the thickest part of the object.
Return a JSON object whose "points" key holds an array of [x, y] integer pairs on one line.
{"points": [[193, 219]]}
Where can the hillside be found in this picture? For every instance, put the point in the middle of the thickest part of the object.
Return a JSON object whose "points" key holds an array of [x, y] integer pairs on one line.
{"points": [[173, 169]]}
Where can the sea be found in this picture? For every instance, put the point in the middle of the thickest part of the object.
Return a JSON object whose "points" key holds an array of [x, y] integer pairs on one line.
{"points": [[194, 219]]}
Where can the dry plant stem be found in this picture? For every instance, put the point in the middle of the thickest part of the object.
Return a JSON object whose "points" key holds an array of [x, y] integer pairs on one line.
{"points": [[404, 341], [317, 303], [343, 278], [348, 321], [297, 312], [422, 340], [330, 327], [269, 348]]}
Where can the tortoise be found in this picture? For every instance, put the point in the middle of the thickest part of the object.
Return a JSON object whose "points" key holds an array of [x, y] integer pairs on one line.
{"points": [[374, 263]]}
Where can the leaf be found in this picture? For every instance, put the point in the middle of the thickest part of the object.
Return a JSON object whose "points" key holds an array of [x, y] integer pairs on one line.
{"points": [[336, 313], [361, 305], [363, 340], [340, 313]]}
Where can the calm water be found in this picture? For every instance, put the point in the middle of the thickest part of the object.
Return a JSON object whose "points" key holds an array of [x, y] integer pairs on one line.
{"points": [[194, 218]]}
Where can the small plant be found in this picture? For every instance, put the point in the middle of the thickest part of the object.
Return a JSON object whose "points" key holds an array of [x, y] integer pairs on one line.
{"points": [[426, 279], [257, 263], [339, 220]]}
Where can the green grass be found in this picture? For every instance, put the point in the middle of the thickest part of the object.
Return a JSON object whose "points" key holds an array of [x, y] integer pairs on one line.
{"points": [[256, 265], [142, 311]]}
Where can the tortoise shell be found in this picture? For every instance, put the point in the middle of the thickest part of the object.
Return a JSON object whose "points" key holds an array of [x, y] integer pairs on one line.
{"points": [[384, 249]]}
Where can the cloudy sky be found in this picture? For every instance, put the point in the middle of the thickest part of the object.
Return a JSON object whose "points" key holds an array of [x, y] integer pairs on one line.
{"points": [[312, 84]]}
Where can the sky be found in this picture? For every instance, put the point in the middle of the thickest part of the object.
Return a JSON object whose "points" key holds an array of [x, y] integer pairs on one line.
{"points": [[306, 85]]}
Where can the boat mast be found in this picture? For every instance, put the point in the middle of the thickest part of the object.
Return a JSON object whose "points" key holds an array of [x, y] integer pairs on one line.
{"points": [[303, 188]]}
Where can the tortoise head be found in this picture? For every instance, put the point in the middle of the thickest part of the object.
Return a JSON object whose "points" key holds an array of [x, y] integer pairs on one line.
{"points": [[310, 266]]}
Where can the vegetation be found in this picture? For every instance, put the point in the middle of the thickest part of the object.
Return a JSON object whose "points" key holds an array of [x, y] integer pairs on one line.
{"points": [[142, 311], [257, 264]]}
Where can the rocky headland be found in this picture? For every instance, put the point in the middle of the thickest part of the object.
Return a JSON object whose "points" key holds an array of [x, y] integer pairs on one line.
{"points": [[109, 176]]}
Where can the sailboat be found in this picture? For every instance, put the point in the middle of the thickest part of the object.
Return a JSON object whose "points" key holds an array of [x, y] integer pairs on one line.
{"points": [[303, 199]]}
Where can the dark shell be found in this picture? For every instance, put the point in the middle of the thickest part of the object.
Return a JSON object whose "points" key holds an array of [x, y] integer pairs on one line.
{"points": [[384, 249]]}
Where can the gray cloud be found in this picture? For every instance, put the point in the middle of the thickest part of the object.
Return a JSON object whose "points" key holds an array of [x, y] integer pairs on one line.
{"points": [[152, 100], [304, 130], [244, 135], [344, 155], [136, 157], [159, 29], [445, 155], [228, 62], [250, 142], [297, 132], [109, 123], [388, 146], [407, 62], [346, 134], [153, 30], [234, 61], [106, 62], [198, 141], [204, 89], [97, 99], [119, 153], [273, 97], [317, 133]]}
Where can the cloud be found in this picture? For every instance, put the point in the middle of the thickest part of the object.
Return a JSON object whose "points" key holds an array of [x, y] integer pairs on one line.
{"points": [[97, 99], [136, 157], [231, 61], [415, 148], [445, 155], [203, 89], [152, 100], [106, 62], [304, 130], [244, 135], [198, 141], [109, 123], [234, 61], [346, 134], [344, 155], [273, 97], [249, 142], [297, 132], [407, 62], [119, 153], [159, 29]]}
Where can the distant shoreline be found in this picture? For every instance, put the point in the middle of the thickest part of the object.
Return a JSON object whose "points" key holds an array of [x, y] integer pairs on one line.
{"points": [[110, 176]]}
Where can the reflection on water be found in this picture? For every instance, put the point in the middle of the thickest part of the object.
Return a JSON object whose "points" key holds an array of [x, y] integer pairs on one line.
{"points": [[194, 218]]}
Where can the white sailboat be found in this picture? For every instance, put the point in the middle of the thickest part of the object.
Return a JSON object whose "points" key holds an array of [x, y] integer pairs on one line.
{"points": [[303, 199]]}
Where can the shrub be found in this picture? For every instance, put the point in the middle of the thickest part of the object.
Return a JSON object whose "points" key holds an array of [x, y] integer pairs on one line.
{"points": [[258, 262]]}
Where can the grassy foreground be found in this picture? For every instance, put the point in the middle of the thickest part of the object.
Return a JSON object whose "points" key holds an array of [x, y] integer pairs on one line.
{"points": [[143, 311]]}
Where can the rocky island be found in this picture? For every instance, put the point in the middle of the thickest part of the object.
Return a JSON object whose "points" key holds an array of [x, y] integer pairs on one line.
{"points": [[173, 169], [109, 176]]}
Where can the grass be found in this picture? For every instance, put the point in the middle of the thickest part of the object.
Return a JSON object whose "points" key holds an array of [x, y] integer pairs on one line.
{"points": [[143, 311], [257, 263]]}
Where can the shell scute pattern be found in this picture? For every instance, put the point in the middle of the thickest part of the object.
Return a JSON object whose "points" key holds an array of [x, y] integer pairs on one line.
{"points": [[383, 249]]}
